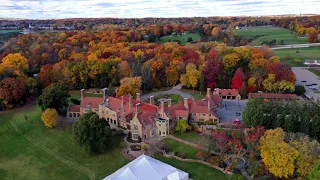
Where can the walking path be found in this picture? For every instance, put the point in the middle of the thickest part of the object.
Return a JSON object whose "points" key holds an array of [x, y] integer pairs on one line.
{"points": [[175, 90]]}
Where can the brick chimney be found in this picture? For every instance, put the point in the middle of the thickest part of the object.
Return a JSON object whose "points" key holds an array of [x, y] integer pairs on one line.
{"points": [[105, 93], [185, 103], [138, 110], [117, 92], [138, 97], [208, 92], [169, 102], [82, 94], [161, 108], [130, 102], [151, 99], [122, 102], [209, 104]]}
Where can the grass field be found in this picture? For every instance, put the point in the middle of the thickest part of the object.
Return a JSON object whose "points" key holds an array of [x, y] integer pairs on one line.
{"points": [[188, 136], [196, 94], [197, 171], [288, 55], [183, 38], [270, 33], [77, 94], [179, 147], [315, 71], [31, 151], [175, 98], [10, 31]]}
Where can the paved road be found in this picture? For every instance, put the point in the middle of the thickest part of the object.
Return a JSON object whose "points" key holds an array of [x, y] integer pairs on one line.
{"points": [[3, 46], [303, 74], [293, 46], [174, 90]]}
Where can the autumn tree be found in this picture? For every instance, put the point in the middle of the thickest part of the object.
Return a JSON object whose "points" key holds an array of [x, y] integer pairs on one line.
{"points": [[276, 154], [49, 117], [315, 173], [217, 32], [92, 133], [124, 69], [238, 79], [191, 78], [313, 35], [17, 62], [54, 96], [211, 70], [12, 91], [130, 85], [308, 154]]}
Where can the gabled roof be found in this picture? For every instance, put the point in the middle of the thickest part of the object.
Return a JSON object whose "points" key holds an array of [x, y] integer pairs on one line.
{"points": [[74, 108], [228, 92], [147, 168], [93, 102]]}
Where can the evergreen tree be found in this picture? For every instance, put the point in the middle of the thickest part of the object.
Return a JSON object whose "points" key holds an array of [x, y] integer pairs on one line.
{"points": [[253, 114], [305, 124], [315, 127], [202, 84], [289, 123], [146, 75]]}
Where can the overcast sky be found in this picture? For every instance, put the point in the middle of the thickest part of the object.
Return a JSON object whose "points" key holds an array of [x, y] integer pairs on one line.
{"points": [[50, 9]]}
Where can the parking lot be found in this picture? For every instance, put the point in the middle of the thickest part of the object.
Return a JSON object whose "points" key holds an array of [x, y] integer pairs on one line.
{"points": [[309, 80], [231, 110]]}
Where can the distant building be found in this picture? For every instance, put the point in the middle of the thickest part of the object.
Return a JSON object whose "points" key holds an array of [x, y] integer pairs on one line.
{"points": [[311, 62], [145, 120], [227, 93], [273, 96]]}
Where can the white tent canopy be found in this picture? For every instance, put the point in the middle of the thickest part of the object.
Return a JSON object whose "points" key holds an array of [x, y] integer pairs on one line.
{"points": [[146, 168]]}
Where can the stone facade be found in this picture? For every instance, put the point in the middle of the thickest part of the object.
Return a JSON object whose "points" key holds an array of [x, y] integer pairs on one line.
{"points": [[146, 120]]}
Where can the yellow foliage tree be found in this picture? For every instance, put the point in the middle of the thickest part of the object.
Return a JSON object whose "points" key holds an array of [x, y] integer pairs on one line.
{"points": [[308, 154], [130, 85], [229, 61], [191, 78], [277, 155], [16, 62], [49, 117]]}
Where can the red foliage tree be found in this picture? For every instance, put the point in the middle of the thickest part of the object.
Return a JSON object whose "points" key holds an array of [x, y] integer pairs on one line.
{"points": [[238, 79], [12, 90], [46, 75], [211, 72], [282, 71], [191, 56]]}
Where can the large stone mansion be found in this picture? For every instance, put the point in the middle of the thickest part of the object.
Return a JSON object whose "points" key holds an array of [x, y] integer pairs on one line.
{"points": [[146, 120]]}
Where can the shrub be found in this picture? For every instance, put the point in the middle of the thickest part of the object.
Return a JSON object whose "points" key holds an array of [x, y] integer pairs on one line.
{"points": [[123, 144], [299, 90], [297, 60]]}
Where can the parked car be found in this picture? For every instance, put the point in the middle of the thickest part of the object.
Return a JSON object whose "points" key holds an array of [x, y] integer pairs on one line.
{"points": [[314, 84], [308, 84], [304, 81]]}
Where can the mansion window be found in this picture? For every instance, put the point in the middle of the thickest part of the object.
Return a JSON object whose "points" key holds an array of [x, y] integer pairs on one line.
{"points": [[201, 120], [135, 136], [163, 132], [159, 132], [135, 127], [194, 114], [203, 114]]}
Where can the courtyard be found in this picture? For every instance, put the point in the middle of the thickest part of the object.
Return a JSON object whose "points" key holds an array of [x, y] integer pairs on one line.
{"points": [[231, 110]]}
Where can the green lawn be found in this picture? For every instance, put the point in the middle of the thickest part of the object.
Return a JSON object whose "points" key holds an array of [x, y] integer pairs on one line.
{"points": [[77, 94], [31, 151], [196, 94], [197, 171], [315, 71], [189, 136], [183, 38], [179, 147], [288, 55], [175, 98], [270, 33], [10, 31]]}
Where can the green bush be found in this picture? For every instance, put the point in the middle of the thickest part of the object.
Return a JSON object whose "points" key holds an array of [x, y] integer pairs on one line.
{"points": [[299, 90]]}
